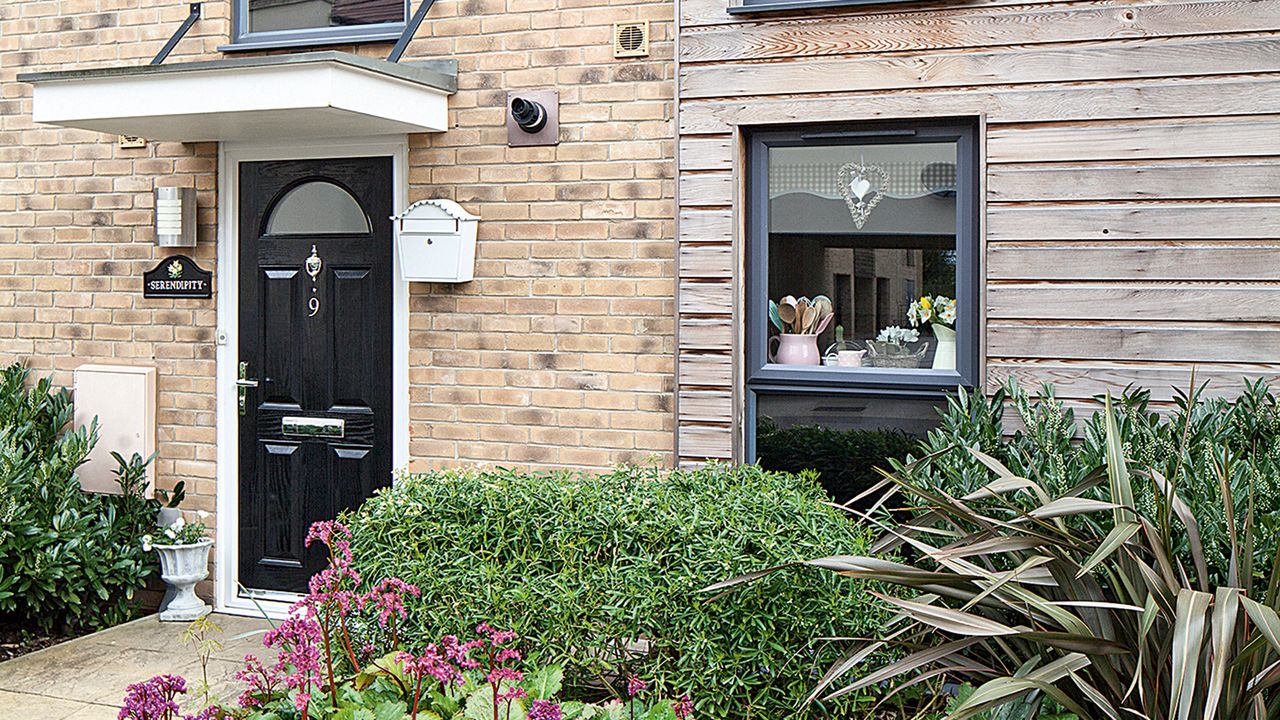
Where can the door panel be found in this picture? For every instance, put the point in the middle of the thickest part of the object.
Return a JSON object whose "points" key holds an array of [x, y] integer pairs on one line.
{"points": [[315, 332]]}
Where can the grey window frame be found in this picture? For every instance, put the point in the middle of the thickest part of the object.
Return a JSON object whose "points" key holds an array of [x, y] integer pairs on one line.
{"points": [[244, 40], [759, 375], [749, 7]]}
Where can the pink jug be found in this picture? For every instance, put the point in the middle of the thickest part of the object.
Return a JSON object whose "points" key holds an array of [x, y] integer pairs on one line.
{"points": [[794, 350]]}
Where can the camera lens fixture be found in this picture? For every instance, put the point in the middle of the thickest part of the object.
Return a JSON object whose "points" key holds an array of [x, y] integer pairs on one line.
{"points": [[529, 115]]}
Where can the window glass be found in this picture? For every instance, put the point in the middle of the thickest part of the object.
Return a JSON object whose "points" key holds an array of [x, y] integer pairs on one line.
{"points": [[317, 208], [843, 438], [270, 15], [863, 233]]}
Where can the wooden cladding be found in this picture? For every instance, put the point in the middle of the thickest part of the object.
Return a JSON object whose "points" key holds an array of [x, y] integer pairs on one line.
{"points": [[1132, 178]]}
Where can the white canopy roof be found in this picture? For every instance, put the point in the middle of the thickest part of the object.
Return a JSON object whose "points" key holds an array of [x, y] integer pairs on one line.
{"points": [[306, 95]]}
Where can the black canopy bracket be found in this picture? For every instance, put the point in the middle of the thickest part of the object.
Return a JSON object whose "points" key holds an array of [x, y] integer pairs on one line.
{"points": [[414, 23], [192, 17]]}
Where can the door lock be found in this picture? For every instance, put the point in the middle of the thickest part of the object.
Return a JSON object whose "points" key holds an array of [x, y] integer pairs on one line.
{"points": [[243, 383]]}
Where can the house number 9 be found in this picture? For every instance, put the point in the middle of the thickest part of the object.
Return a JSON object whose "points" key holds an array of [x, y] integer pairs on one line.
{"points": [[313, 266]]}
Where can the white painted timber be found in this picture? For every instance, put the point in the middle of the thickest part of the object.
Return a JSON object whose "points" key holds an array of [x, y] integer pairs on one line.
{"points": [[325, 95]]}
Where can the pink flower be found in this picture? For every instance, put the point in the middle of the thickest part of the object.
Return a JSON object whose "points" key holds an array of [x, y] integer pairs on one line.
{"points": [[544, 710], [300, 640], [683, 708], [153, 699], [430, 664], [389, 597], [635, 686], [262, 682]]}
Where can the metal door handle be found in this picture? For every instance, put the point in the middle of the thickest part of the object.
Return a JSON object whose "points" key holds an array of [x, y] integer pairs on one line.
{"points": [[243, 383]]}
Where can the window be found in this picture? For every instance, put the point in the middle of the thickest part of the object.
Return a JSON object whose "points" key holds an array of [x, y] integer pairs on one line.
{"points": [[875, 226], [764, 6], [317, 208], [292, 23]]}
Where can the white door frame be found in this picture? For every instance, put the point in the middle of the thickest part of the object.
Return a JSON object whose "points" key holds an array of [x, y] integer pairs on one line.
{"points": [[230, 155]]}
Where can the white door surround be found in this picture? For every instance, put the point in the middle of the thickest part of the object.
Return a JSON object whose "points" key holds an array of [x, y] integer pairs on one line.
{"points": [[226, 589]]}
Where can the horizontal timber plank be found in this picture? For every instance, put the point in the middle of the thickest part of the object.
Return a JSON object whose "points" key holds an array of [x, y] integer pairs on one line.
{"points": [[696, 13], [1217, 137], [1125, 99], [1169, 181], [1151, 342], [706, 334], [705, 369], [706, 261], [1114, 60], [706, 441], [1086, 379], [713, 406], [703, 189], [712, 298], [1228, 221], [706, 153], [706, 226], [1131, 261], [971, 27], [1195, 302]]}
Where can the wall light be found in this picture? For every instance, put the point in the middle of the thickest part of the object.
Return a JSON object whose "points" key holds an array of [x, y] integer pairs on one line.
{"points": [[175, 217]]}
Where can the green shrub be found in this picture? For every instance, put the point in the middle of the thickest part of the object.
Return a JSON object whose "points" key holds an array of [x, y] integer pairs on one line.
{"points": [[845, 460], [1200, 444], [581, 565], [68, 559], [1075, 597]]}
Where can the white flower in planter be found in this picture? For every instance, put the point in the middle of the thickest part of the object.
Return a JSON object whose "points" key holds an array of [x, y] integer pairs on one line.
{"points": [[146, 543]]}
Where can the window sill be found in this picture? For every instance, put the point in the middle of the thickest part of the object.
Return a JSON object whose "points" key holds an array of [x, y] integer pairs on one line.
{"points": [[853, 379], [779, 6], [257, 44]]}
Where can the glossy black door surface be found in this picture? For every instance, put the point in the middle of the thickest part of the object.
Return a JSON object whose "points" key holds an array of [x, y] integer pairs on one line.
{"points": [[315, 333]]}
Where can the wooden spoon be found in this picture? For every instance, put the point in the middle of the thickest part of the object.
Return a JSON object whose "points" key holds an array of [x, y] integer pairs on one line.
{"points": [[810, 317], [787, 312], [822, 324]]}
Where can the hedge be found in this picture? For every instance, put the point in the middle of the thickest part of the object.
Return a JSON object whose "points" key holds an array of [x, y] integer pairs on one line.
{"points": [[582, 566]]}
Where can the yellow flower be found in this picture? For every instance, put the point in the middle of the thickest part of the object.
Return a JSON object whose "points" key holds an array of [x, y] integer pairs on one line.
{"points": [[924, 303]]}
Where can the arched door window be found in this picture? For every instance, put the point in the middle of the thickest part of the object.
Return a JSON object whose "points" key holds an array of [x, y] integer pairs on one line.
{"points": [[317, 207]]}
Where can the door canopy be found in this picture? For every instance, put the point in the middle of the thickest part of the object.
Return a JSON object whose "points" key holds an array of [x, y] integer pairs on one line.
{"points": [[307, 95]]}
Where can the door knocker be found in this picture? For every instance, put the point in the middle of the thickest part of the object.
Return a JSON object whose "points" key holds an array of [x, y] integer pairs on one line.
{"points": [[313, 265]]}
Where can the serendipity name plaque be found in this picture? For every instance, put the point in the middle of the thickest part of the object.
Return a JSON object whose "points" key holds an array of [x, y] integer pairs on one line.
{"points": [[177, 276]]}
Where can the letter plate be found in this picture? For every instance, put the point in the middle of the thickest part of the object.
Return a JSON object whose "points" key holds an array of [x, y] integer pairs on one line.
{"points": [[313, 427]]}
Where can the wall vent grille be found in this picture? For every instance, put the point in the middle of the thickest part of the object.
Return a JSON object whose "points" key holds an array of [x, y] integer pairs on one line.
{"points": [[631, 39]]}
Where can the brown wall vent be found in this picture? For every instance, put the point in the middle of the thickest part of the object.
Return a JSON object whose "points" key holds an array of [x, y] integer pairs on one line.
{"points": [[631, 39]]}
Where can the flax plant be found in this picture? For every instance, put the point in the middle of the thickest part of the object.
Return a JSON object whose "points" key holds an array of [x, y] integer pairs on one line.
{"points": [[1074, 596]]}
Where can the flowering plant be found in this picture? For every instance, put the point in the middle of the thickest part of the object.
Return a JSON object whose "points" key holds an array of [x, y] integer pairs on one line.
{"points": [[937, 310], [341, 655], [895, 335], [180, 532]]}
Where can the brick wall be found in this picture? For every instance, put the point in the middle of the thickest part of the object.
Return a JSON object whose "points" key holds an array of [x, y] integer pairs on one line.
{"points": [[559, 354]]}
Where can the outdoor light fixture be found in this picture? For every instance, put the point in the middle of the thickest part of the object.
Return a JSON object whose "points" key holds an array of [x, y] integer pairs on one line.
{"points": [[533, 117], [175, 217], [529, 115]]}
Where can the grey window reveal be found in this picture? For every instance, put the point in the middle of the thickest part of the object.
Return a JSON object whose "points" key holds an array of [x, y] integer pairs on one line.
{"points": [[297, 23], [869, 217], [317, 208]]}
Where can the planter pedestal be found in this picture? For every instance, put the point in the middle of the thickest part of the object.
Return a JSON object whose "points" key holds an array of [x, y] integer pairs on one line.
{"points": [[182, 566]]}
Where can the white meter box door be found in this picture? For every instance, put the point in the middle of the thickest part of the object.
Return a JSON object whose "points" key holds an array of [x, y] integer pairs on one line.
{"points": [[436, 240]]}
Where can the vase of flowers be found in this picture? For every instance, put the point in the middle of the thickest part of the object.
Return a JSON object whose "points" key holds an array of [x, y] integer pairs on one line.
{"points": [[939, 312], [184, 561], [897, 347]]}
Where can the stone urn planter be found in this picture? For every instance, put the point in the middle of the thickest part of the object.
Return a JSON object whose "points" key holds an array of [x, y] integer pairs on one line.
{"points": [[182, 566]]}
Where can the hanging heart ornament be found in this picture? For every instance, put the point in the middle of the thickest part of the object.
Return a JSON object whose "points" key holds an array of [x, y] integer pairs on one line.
{"points": [[862, 187]]}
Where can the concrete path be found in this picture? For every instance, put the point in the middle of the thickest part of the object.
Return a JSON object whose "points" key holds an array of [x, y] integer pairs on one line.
{"points": [[85, 678]]}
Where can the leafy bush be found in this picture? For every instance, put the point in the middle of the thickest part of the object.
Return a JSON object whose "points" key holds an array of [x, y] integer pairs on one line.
{"points": [[342, 654], [603, 571], [1040, 594], [1202, 443], [67, 559], [845, 460]]}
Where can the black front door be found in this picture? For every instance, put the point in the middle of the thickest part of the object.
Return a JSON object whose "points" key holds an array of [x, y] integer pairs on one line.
{"points": [[315, 335]]}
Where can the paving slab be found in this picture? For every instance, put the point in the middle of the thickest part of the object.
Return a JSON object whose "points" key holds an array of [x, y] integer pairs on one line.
{"points": [[85, 678]]}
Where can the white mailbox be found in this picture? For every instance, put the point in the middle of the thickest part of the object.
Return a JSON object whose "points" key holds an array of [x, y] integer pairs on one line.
{"points": [[437, 242]]}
